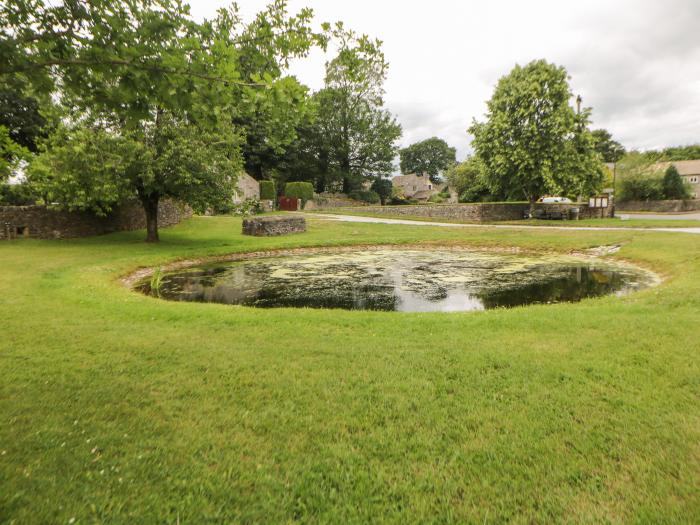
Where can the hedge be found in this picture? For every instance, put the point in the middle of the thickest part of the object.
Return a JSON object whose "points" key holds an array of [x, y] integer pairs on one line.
{"points": [[267, 190], [300, 190]]}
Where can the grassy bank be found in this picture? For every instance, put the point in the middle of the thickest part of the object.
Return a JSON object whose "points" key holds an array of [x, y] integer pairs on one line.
{"points": [[122, 408]]}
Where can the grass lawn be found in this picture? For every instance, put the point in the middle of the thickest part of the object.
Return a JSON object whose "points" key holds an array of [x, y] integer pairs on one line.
{"points": [[120, 408], [599, 223]]}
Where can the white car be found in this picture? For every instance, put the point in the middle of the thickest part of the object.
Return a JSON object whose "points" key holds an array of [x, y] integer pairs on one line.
{"points": [[553, 200]]}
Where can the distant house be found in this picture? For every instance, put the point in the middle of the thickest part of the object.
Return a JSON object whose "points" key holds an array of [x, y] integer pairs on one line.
{"points": [[246, 188], [689, 170], [418, 187]]}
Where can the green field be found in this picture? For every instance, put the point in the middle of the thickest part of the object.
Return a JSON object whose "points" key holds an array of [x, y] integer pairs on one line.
{"points": [[120, 408]]}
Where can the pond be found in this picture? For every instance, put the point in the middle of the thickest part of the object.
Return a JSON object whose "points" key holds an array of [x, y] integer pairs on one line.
{"points": [[406, 280]]}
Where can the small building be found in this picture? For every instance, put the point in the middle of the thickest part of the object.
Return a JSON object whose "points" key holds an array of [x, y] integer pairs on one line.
{"points": [[689, 170], [418, 187], [246, 188]]}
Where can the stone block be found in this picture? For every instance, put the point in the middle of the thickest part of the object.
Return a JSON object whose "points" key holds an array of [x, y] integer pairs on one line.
{"points": [[274, 225]]}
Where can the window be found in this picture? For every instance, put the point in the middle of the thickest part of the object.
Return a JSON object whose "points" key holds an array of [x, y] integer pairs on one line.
{"points": [[430, 186], [694, 179]]}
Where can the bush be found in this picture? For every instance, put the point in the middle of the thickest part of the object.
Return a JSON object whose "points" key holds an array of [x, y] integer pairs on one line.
{"points": [[437, 198], [673, 185], [371, 197], [247, 207], [383, 188], [640, 187], [267, 190], [17, 195], [299, 190]]}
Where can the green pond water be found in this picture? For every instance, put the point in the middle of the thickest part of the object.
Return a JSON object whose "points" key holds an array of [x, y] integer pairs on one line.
{"points": [[407, 280]]}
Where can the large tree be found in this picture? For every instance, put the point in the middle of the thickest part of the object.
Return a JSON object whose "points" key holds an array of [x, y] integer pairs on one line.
{"points": [[143, 70], [429, 157], [359, 135], [529, 142]]}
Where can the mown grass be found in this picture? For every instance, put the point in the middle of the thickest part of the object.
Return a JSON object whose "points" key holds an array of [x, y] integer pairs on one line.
{"points": [[121, 408], [597, 223]]}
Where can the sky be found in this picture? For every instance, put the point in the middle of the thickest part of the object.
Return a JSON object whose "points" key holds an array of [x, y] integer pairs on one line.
{"points": [[635, 62]]}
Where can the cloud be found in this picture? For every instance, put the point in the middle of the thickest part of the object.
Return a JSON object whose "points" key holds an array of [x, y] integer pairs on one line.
{"points": [[636, 62]]}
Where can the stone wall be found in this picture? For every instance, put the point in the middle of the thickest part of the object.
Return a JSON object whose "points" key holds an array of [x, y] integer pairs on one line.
{"points": [[273, 226], [324, 201], [659, 206], [47, 223], [480, 212]]}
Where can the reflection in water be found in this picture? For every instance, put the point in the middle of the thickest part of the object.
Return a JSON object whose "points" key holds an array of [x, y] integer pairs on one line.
{"points": [[403, 280]]}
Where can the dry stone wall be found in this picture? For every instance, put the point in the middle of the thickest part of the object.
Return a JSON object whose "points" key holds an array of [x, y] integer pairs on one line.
{"points": [[660, 206], [480, 212], [273, 226], [42, 222]]}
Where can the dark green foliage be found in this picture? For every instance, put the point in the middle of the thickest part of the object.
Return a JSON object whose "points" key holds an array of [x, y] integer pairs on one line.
{"points": [[365, 196], [429, 157], [641, 187], [17, 195], [267, 190], [467, 179], [609, 149], [382, 187], [673, 186], [299, 190]]}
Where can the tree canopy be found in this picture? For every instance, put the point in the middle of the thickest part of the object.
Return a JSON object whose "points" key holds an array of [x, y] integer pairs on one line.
{"points": [[532, 142], [609, 149], [143, 77], [429, 157]]}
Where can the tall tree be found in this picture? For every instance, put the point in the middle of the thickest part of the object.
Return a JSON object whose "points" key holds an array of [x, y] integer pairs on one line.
{"points": [[429, 157], [673, 185], [360, 134], [609, 149], [144, 70], [526, 143]]}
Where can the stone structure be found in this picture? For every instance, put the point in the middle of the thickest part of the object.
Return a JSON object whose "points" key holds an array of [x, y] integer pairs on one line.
{"points": [[659, 206], [274, 225], [246, 188], [689, 170], [418, 187], [483, 212], [333, 200], [47, 223]]}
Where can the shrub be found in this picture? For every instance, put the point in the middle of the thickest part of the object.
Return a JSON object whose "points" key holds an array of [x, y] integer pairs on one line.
{"points": [[247, 207], [17, 195], [267, 190], [371, 197], [640, 187], [436, 198], [299, 190], [383, 188], [673, 186]]}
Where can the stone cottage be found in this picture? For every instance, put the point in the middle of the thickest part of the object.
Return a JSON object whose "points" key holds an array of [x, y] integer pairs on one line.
{"points": [[418, 187], [246, 188]]}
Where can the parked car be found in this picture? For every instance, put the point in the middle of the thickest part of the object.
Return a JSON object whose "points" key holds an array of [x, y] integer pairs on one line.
{"points": [[554, 200]]}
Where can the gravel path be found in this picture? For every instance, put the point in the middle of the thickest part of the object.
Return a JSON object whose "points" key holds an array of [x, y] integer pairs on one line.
{"points": [[377, 220]]}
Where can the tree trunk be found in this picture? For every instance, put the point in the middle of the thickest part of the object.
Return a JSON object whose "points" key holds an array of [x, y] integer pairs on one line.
{"points": [[150, 206]]}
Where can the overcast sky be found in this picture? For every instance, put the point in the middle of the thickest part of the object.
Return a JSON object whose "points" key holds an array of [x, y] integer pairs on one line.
{"points": [[636, 62]]}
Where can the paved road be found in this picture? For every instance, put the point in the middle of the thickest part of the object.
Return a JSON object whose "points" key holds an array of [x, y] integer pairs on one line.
{"points": [[376, 220], [692, 216]]}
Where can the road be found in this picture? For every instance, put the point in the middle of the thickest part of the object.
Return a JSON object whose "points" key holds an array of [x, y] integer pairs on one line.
{"points": [[377, 220], [693, 216]]}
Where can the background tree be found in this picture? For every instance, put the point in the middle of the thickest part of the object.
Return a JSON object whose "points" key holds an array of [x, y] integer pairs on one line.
{"points": [[673, 186], [468, 180], [586, 173], [609, 149], [383, 188], [359, 135], [525, 144], [429, 157]]}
